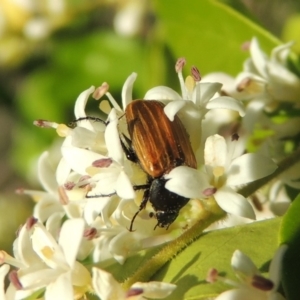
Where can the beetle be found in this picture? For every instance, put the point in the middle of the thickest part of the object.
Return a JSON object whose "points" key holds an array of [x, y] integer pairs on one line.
{"points": [[158, 145]]}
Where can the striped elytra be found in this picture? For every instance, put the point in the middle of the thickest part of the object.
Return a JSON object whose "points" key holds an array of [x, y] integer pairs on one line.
{"points": [[158, 145]]}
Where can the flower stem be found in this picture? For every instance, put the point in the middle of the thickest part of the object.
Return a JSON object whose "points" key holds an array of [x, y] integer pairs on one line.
{"points": [[207, 217], [284, 165]]}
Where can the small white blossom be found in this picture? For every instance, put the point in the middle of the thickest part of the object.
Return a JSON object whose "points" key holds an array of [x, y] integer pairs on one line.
{"points": [[227, 172], [107, 288], [223, 173], [252, 285], [46, 264]]}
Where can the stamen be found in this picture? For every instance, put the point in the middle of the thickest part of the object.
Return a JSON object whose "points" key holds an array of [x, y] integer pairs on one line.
{"points": [[212, 275], [180, 63], [102, 163], [100, 91], [45, 124], [218, 171], [36, 195], [255, 201], [6, 258], [190, 84], [246, 46], [209, 191], [235, 137], [134, 292], [262, 283], [14, 279], [63, 198], [178, 67], [63, 130], [105, 106], [69, 185], [84, 181], [195, 74], [113, 101], [90, 233], [30, 222], [243, 84]]}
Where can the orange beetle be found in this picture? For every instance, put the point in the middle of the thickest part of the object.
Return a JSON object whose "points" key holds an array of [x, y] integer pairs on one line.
{"points": [[158, 145]]}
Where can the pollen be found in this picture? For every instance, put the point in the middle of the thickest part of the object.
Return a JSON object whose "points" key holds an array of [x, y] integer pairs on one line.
{"points": [[190, 83], [218, 171], [104, 106], [62, 130], [47, 252]]}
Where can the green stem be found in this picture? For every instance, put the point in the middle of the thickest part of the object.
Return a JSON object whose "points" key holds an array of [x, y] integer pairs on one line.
{"points": [[282, 167], [173, 248]]}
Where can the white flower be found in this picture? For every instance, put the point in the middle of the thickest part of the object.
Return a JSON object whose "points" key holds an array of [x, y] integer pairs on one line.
{"points": [[277, 80], [223, 173], [47, 264], [92, 164], [107, 288], [253, 286], [226, 173]]}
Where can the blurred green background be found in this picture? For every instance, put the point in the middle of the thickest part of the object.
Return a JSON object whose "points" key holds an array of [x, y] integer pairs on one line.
{"points": [[50, 51]]}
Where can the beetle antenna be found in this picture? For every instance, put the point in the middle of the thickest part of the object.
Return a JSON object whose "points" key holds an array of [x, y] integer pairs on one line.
{"points": [[121, 116], [89, 118], [132, 220], [101, 195]]}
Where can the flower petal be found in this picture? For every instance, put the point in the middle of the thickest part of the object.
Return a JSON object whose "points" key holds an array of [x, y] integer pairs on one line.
{"points": [[259, 58], [124, 187], [106, 287], [79, 159], [127, 89], [45, 173], [215, 152], [187, 182], [61, 288], [238, 294], [155, 289], [204, 91], [69, 241], [79, 109], [112, 138], [46, 207], [172, 108], [275, 271], [62, 172], [47, 248], [249, 167], [228, 103], [243, 265], [162, 93], [234, 203]]}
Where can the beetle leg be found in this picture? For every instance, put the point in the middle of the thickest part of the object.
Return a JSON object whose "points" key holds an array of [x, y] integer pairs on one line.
{"points": [[142, 206], [128, 150], [101, 195]]}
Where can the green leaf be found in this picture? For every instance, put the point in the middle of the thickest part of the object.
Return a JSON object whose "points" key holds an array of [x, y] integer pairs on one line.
{"points": [[290, 235], [188, 270], [209, 34], [214, 250]]}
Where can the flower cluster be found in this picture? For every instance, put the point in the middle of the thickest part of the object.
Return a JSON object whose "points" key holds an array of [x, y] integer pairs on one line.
{"points": [[92, 193]]}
